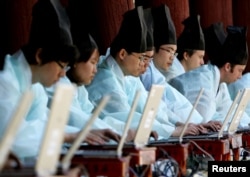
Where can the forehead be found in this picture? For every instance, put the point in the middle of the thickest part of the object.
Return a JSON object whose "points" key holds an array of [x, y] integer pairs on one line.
{"points": [[170, 46]]}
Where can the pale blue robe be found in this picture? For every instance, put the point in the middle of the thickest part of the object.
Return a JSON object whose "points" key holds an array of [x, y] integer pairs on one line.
{"points": [[174, 70], [242, 83], [81, 110], [178, 105], [110, 80], [15, 80], [215, 101]]}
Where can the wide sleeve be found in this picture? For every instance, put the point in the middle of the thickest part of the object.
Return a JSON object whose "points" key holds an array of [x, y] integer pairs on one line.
{"points": [[190, 84]]}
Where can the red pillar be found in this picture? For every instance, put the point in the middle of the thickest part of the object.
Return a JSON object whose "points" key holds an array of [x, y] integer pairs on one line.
{"points": [[107, 20], [212, 11], [241, 17], [18, 19], [179, 10]]}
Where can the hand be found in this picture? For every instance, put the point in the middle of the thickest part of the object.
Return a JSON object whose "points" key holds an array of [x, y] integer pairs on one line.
{"points": [[202, 129], [213, 125], [12, 162], [192, 129], [154, 135], [106, 134]]}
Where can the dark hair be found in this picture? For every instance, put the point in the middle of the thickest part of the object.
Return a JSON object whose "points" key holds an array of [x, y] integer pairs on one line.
{"points": [[63, 53], [181, 52]]}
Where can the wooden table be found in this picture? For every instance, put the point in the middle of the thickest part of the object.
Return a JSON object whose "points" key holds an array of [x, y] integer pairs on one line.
{"points": [[177, 151], [100, 166], [142, 158], [218, 148]]}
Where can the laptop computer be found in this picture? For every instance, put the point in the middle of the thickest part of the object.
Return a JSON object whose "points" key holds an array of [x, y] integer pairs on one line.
{"points": [[66, 160], [234, 114], [112, 150], [149, 113], [180, 138], [47, 160], [13, 127], [142, 133]]}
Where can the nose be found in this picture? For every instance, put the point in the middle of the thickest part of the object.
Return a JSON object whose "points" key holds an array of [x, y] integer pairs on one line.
{"points": [[202, 61]]}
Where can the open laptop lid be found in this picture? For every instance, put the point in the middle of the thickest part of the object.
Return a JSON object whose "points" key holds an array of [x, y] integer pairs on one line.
{"points": [[127, 126], [190, 115], [230, 113], [148, 116], [66, 161], [15, 122], [53, 137], [243, 101]]}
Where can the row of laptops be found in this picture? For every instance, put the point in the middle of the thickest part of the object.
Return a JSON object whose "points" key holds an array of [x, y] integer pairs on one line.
{"points": [[48, 158], [47, 161]]}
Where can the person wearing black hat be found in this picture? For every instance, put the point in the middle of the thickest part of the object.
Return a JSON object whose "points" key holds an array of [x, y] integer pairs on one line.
{"points": [[82, 73], [126, 60], [190, 49], [41, 62], [225, 66], [177, 105]]}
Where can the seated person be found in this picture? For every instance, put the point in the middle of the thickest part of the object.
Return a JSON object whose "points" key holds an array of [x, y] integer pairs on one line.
{"points": [[228, 58], [178, 107], [126, 59]]}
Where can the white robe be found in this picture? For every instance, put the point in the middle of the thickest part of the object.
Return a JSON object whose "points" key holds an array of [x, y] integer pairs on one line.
{"points": [[242, 83], [81, 109], [215, 101], [110, 80], [15, 80], [177, 105]]}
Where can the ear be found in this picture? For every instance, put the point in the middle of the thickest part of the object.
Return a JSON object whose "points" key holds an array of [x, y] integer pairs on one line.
{"points": [[122, 54], [185, 56], [38, 56], [227, 67]]}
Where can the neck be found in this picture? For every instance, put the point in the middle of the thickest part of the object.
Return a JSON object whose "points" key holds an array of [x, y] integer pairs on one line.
{"points": [[34, 73], [183, 63]]}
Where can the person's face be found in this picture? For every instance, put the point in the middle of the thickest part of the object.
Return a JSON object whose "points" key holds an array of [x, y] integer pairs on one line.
{"points": [[51, 72], [163, 59], [233, 73], [147, 59], [195, 60], [84, 72], [131, 64]]}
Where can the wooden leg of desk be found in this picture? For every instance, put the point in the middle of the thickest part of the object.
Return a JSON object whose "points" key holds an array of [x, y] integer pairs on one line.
{"points": [[225, 157], [236, 154]]}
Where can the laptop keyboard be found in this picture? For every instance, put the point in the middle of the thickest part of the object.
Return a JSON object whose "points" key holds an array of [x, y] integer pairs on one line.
{"points": [[99, 153]]}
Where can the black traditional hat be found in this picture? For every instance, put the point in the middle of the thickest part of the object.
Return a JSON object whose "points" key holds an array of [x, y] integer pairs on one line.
{"points": [[215, 37], [50, 24], [235, 49], [150, 25], [164, 29], [132, 33], [192, 36]]}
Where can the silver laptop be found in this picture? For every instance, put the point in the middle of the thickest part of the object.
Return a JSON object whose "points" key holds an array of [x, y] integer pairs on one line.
{"points": [[149, 113], [112, 150], [66, 161], [234, 114], [47, 160], [180, 138], [13, 127]]}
